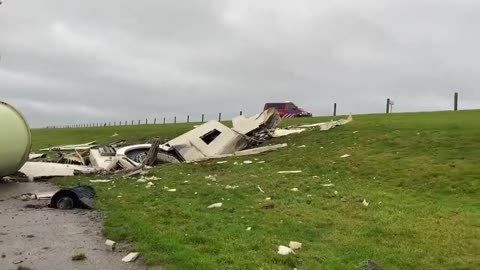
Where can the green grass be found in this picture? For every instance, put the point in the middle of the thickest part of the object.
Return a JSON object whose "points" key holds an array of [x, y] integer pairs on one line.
{"points": [[419, 172]]}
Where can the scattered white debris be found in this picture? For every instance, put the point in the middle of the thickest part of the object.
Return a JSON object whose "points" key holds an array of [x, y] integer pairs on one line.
{"points": [[309, 195], [211, 177], [111, 244], [355, 132], [336, 193], [287, 172], [119, 196], [215, 205], [172, 190], [222, 162], [150, 184], [294, 189], [235, 163], [186, 182], [114, 135], [345, 156], [316, 177], [261, 190], [100, 181], [365, 203], [328, 185], [268, 199], [295, 245], [261, 162], [283, 250], [247, 162], [302, 146], [142, 180], [249, 228], [196, 193], [231, 187], [131, 257]]}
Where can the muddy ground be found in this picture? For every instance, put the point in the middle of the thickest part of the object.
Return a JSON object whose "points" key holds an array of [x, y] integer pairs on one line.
{"points": [[46, 239]]}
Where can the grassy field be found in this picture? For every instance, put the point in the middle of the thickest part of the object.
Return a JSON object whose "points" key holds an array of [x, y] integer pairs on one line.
{"points": [[419, 172]]}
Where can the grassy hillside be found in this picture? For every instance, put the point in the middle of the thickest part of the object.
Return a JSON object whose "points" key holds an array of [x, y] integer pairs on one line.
{"points": [[419, 172]]}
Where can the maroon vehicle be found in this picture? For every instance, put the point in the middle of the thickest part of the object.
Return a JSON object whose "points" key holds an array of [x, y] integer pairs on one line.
{"points": [[287, 109]]}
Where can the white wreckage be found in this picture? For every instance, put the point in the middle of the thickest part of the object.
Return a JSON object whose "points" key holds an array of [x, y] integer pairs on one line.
{"points": [[208, 141]]}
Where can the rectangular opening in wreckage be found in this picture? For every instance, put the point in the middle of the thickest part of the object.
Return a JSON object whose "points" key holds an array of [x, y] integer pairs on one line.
{"points": [[209, 137]]}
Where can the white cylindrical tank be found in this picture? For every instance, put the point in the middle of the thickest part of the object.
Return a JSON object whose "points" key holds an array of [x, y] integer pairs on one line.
{"points": [[15, 140]]}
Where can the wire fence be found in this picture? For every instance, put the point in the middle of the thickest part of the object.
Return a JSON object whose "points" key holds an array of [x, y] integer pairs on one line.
{"points": [[174, 120]]}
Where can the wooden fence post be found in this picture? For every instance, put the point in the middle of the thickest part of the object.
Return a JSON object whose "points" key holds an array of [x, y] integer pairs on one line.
{"points": [[219, 117], [334, 109], [388, 105], [203, 117], [175, 120], [455, 100], [188, 118]]}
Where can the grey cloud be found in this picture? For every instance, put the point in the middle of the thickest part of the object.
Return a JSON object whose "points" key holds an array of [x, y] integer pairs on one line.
{"points": [[89, 61]]}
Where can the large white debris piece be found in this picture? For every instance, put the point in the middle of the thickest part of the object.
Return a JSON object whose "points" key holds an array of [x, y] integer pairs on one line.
{"points": [[45, 169], [295, 245], [279, 132], [269, 119], [72, 147], [283, 250], [215, 205], [107, 163], [131, 257], [329, 125], [208, 140]]}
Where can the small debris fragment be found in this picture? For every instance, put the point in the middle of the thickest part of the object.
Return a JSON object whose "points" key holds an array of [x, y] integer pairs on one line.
{"points": [[172, 190], [288, 172], [131, 257], [111, 245], [222, 162], [215, 205], [247, 162], [249, 228], [268, 199], [211, 177], [295, 245], [261, 190], [261, 162], [150, 184], [345, 156], [79, 257], [284, 251], [355, 132], [100, 181], [294, 189], [365, 203], [336, 193], [142, 180], [302, 146], [114, 135], [231, 187], [328, 185], [18, 262]]}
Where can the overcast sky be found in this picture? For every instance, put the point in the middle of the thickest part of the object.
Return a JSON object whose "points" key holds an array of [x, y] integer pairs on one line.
{"points": [[65, 62]]}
